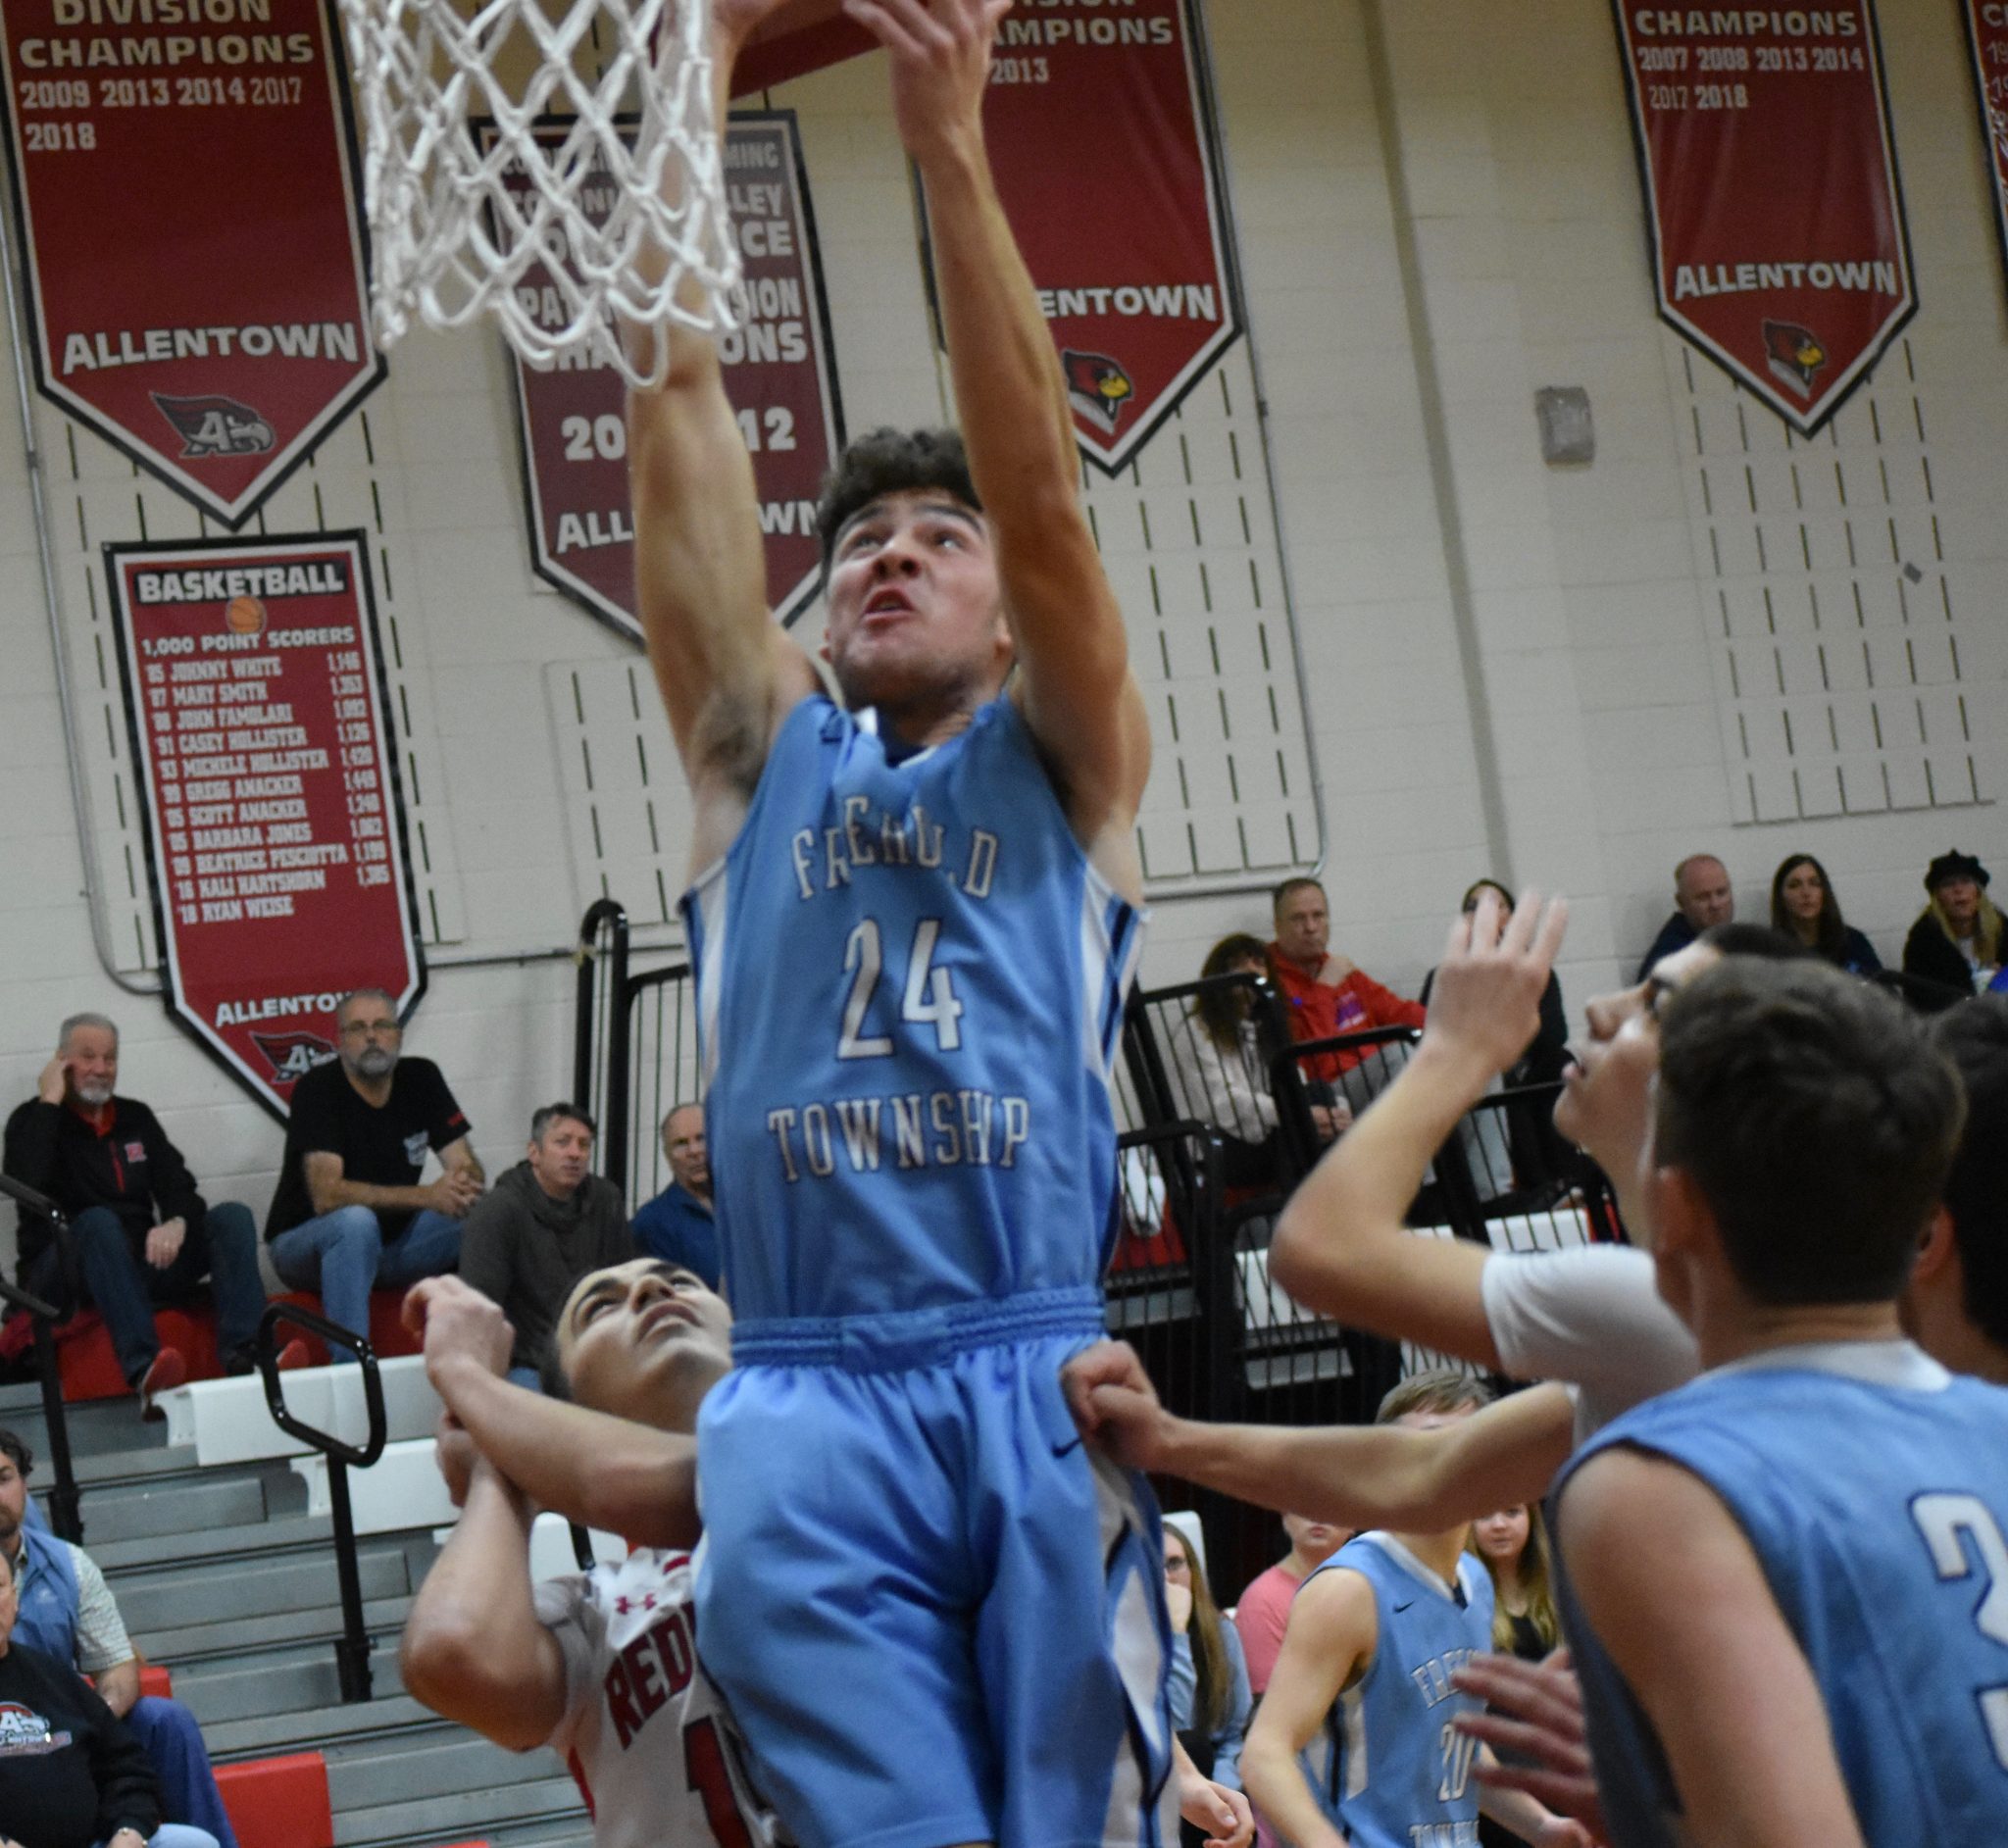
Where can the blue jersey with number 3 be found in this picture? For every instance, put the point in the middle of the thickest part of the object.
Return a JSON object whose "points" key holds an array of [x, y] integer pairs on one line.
{"points": [[1389, 1769], [910, 983], [1873, 1487]]}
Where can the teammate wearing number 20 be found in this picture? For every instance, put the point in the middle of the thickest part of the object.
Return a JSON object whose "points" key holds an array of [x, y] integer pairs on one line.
{"points": [[915, 917]]}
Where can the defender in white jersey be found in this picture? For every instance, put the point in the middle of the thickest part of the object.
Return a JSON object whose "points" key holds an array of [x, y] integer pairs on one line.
{"points": [[600, 1666]]}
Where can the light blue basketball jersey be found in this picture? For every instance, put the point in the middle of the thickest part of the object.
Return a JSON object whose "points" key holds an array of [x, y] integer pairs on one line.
{"points": [[1873, 1487], [1389, 1769], [909, 985]]}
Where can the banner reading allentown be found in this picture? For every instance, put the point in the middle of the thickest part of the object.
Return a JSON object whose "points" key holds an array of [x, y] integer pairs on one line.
{"points": [[274, 832], [778, 377], [185, 184], [1777, 234], [1986, 35], [1100, 128]]}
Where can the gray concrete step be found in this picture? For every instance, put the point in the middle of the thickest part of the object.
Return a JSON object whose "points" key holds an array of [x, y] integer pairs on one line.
{"points": [[182, 1646], [161, 1510], [550, 1801], [297, 1581], [311, 1727], [442, 1760]]}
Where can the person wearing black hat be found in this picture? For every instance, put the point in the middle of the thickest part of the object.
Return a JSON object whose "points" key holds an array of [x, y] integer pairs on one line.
{"points": [[1956, 940]]}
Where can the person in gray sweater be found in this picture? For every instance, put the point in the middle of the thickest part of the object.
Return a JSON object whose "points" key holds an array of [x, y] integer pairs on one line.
{"points": [[541, 1226]]}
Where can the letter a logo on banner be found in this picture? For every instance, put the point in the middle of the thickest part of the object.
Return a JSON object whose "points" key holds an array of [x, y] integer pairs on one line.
{"points": [[1778, 243], [185, 184], [1099, 126]]}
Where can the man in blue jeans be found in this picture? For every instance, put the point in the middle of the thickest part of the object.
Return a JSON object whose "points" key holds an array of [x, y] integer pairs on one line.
{"points": [[349, 1214], [141, 1231]]}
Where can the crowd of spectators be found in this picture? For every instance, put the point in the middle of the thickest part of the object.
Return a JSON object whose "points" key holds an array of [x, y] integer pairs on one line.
{"points": [[352, 1212]]}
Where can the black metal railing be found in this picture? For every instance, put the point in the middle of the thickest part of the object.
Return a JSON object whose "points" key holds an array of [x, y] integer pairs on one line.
{"points": [[66, 1512], [352, 1648]]}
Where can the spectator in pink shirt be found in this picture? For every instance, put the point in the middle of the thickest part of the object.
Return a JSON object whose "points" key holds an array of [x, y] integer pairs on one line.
{"points": [[1265, 1606]]}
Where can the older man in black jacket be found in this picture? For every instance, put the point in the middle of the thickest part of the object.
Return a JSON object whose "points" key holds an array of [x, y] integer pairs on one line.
{"points": [[143, 1234]]}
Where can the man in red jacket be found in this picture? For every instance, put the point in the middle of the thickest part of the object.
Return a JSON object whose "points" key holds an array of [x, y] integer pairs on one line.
{"points": [[1325, 994]]}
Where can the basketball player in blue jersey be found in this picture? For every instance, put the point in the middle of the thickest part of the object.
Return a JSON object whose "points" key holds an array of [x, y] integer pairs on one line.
{"points": [[1786, 1582], [1353, 1741], [912, 920]]}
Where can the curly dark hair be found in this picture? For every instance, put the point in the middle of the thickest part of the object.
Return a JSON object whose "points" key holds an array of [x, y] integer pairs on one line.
{"points": [[885, 462]]}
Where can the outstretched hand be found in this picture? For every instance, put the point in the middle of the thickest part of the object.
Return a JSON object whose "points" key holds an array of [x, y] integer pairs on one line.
{"points": [[1115, 1405], [454, 1318], [1486, 1002], [1537, 1716], [940, 53]]}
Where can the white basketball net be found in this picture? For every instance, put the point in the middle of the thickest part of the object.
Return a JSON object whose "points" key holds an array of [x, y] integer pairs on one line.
{"points": [[553, 226]]}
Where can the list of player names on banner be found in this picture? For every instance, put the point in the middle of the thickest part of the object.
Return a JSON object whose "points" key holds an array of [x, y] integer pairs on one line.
{"points": [[251, 674], [1987, 30], [1777, 230]]}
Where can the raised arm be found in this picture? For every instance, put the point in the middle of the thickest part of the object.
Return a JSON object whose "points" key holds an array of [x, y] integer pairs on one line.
{"points": [[1358, 1475], [729, 673], [1340, 1247], [1075, 685], [1679, 1600]]}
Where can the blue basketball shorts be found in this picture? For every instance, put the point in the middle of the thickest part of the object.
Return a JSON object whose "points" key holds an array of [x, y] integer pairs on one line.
{"points": [[937, 1618]]}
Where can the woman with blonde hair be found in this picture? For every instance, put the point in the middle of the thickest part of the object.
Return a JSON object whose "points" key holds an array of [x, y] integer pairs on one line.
{"points": [[1513, 1545], [1956, 940]]}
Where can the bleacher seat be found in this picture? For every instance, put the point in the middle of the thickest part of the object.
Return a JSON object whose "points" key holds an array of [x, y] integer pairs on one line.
{"points": [[279, 1802], [91, 1369], [156, 1680]]}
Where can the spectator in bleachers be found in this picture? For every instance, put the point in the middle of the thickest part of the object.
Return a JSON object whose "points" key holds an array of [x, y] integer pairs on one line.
{"points": [[1703, 896], [1222, 1068], [1326, 993], [1265, 1606], [1956, 940], [1803, 906], [141, 1230], [1209, 1674], [70, 1773], [1512, 1544], [544, 1224], [678, 1226], [349, 1214], [64, 1610], [1546, 1056]]}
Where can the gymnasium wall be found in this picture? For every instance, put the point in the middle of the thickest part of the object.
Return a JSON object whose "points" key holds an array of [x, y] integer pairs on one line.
{"points": [[1507, 669]]}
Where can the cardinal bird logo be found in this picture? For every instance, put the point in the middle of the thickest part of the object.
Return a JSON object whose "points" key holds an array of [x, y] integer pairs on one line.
{"points": [[1097, 387], [1795, 354], [293, 1056], [215, 427]]}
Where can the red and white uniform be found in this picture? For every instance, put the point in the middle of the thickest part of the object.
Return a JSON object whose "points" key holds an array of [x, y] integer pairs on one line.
{"points": [[644, 1732]]}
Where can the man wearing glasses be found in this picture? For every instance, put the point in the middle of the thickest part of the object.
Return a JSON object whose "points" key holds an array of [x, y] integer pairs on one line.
{"points": [[349, 1214]]}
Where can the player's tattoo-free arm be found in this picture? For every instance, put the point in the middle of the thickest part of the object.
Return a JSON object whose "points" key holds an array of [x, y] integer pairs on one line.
{"points": [[726, 672], [1362, 1475], [472, 1648], [1075, 685], [1679, 1598], [1340, 1247], [591, 1467], [1333, 1631]]}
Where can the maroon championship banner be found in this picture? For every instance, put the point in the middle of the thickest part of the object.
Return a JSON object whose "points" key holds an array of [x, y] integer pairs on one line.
{"points": [[1779, 242], [1987, 36], [274, 832], [1099, 125], [778, 375], [186, 192]]}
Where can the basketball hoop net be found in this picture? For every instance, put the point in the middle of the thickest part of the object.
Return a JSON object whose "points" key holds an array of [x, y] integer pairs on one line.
{"points": [[515, 166]]}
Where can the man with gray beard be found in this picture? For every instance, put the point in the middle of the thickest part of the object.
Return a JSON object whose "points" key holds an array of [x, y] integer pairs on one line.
{"points": [[140, 1229], [349, 1214]]}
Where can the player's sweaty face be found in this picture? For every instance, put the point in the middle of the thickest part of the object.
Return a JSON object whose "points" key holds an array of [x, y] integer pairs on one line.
{"points": [[1606, 1104], [624, 1327], [914, 598]]}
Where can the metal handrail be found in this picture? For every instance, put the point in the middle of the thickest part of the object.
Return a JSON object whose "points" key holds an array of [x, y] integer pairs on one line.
{"points": [[66, 1511], [352, 1648]]}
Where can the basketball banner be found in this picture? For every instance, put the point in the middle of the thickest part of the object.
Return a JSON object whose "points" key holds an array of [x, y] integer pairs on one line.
{"points": [[274, 832], [185, 189], [1986, 38], [778, 375], [1099, 126], [1779, 242]]}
